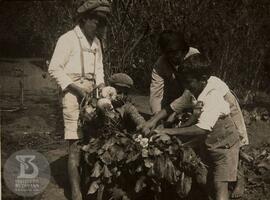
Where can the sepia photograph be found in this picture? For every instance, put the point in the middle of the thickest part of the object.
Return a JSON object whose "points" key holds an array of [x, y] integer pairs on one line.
{"points": [[135, 99]]}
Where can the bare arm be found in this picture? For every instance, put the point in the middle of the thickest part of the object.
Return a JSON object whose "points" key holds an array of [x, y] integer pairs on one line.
{"points": [[187, 131], [134, 114], [178, 105], [76, 90], [151, 123]]}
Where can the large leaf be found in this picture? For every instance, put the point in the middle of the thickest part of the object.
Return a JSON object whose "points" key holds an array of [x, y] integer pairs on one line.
{"points": [[164, 138], [93, 187], [118, 133], [86, 148], [114, 170], [178, 141], [106, 172], [94, 145], [110, 142], [100, 192], [117, 153], [100, 151], [170, 150], [132, 147], [140, 184], [106, 158], [132, 156], [117, 193], [148, 163], [86, 158], [154, 151], [151, 172], [188, 155], [125, 197], [183, 187], [160, 166], [124, 141], [97, 170], [170, 172]]}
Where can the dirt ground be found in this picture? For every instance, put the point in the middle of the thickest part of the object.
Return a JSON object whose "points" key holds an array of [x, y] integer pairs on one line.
{"points": [[39, 126]]}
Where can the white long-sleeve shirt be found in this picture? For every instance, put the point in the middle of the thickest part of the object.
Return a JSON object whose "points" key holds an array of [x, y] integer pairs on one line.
{"points": [[66, 58], [164, 87]]}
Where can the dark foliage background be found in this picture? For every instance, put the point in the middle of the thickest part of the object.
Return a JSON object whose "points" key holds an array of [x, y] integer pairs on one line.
{"points": [[233, 34]]}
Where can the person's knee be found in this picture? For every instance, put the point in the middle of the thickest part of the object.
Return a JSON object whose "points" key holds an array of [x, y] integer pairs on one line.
{"points": [[73, 160]]}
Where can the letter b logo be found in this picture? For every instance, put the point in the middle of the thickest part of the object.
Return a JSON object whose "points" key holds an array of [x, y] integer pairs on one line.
{"points": [[28, 169]]}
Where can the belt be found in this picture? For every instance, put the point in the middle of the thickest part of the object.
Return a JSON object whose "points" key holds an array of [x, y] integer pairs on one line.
{"points": [[78, 76], [224, 134], [224, 117]]}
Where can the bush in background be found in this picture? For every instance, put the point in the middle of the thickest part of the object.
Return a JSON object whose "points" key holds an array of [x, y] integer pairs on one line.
{"points": [[233, 34]]}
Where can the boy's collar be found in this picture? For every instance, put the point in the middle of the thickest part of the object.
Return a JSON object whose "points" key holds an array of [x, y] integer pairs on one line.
{"points": [[79, 32], [82, 37]]}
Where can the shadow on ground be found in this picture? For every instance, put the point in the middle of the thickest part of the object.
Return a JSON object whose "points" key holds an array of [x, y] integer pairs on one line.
{"points": [[59, 173]]}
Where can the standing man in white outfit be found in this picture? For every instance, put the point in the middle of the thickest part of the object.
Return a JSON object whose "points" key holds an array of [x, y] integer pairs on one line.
{"points": [[77, 67]]}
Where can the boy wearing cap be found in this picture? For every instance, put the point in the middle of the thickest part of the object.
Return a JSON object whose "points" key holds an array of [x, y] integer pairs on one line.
{"points": [[77, 67], [129, 114], [215, 125], [165, 84]]}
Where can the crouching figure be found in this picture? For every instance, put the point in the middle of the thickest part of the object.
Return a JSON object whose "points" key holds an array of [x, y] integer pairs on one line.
{"points": [[111, 112]]}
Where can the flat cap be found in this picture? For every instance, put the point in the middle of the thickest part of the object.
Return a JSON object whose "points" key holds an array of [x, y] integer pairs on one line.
{"points": [[95, 5], [121, 79]]}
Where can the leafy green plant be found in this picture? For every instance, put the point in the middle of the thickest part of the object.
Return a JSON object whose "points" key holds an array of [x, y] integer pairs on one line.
{"points": [[140, 160]]}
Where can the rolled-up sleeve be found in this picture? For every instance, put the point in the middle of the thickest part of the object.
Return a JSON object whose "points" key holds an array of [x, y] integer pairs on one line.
{"points": [[183, 102], [59, 59], [133, 114], [214, 107], [156, 92], [99, 65]]}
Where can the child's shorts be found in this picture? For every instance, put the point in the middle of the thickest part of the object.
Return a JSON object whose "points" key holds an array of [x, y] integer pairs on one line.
{"points": [[223, 150], [71, 116], [223, 163], [71, 109]]}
